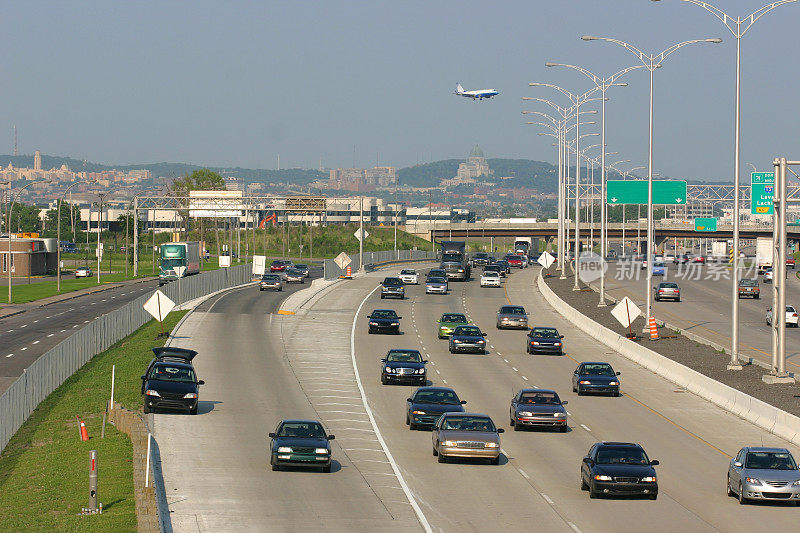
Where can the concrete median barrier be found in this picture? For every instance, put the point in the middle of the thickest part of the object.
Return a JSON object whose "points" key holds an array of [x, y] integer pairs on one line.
{"points": [[762, 414]]}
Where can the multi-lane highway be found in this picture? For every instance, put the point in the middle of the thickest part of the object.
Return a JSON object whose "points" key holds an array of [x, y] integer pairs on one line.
{"points": [[321, 363], [26, 336]]}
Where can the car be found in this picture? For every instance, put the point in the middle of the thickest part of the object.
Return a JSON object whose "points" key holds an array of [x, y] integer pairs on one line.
{"points": [[427, 404], [409, 276], [618, 468], [791, 316], [271, 282], [748, 288], [494, 267], [467, 339], [758, 473], [514, 260], [595, 377], [491, 278], [294, 275], [545, 340], [658, 258], [278, 265], [450, 321], [667, 290], [790, 262], [392, 287], [768, 275], [83, 272], [659, 269], [682, 259], [503, 264], [481, 259], [699, 259], [304, 268], [466, 435], [436, 285], [384, 321], [669, 256], [437, 273], [512, 316], [300, 443], [170, 381], [538, 408], [403, 366]]}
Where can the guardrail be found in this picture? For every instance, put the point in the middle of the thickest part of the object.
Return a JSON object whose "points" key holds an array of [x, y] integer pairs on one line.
{"points": [[371, 259], [53, 367]]}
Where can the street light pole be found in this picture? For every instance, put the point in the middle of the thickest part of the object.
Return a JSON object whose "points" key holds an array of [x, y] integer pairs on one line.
{"points": [[651, 62], [58, 237], [735, 25]]}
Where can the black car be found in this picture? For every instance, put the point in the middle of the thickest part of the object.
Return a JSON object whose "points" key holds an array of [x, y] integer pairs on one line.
{"points": [[480, 259], [302, 267], [467, 339], [595, 377], [393, 288], [427, 404], [502, 263], [170, 381], [545, 340], [619, 468], [538, 408], [384, 321], [494, 267], [271, 282], [300, 443], [403, 366]]}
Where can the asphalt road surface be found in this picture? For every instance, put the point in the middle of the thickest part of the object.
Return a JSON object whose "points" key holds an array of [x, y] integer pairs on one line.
{"points": [[260, 368]]}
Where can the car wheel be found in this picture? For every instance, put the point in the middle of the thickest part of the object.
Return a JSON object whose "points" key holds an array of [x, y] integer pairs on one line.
{"points": [[441, 458], [381, 296], [451, 350], [574, 389], [584, 486], [383, 380], [563, 429], [728, 487], [593, 493], [580, 392], [413, 427], [326, 469], [435, 451], [275, 467], [260, 290], [742, 499], [678, 300], [408, 419], [495, 461], [146, 409], [756, 296]]}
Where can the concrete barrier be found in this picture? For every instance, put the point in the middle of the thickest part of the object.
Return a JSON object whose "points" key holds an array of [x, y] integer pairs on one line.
{"points": [[760, 413]]}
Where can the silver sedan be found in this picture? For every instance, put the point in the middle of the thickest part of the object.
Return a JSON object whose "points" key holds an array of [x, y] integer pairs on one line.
{"points": [[764, 474], [512, 316]]}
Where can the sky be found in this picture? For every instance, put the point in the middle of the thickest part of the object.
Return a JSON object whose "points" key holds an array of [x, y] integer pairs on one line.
{"points": [[239, 83]]}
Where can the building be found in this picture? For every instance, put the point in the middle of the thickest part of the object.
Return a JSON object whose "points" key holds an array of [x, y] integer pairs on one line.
{"points": [[474, 167], [690, 211], [362, 179], [37, 160], [29, 257]]}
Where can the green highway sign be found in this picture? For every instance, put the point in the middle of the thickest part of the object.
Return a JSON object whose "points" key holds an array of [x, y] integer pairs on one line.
{"points": [[762, 188], [635, 192], [705, 224]]}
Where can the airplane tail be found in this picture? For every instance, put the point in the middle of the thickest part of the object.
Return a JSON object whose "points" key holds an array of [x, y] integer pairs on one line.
{"points": [[459, 88]]}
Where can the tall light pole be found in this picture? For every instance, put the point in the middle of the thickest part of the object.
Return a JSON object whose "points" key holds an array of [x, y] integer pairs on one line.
{"points": [[651, 62], [58, 224], [738, 27], [603, 84], [8, 227]]}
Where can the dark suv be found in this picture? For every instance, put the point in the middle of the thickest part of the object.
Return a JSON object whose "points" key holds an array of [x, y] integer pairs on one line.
{"points": [[481, 259], [170, 381], [393, 288]]}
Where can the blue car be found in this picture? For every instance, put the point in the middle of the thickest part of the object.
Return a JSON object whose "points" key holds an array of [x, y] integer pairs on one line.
{"points": [[403, 366], [597, 377], [659, 269], [427, 404], [467, 339]]}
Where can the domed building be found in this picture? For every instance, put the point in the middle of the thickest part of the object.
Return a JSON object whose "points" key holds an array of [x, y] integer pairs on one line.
{"points": [[474, 167]]}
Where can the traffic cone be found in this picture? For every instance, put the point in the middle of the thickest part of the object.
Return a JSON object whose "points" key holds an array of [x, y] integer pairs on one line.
{"points": [[84, 432], [349, 273], [653, 329]]}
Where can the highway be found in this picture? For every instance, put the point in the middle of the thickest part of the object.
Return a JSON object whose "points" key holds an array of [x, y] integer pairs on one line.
{"points": [[260, 367], [705, 308], [26, 336]]}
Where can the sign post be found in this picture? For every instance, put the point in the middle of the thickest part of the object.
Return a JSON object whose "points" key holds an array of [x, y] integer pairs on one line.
{"points": [[762, 189]]}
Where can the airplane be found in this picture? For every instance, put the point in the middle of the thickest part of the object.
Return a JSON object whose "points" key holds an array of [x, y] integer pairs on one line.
{"points": [[476, 95]]}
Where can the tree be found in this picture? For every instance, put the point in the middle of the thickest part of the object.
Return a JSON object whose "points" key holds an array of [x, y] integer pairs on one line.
{"points": [[51, 222], [199, 180], [24, 218]]}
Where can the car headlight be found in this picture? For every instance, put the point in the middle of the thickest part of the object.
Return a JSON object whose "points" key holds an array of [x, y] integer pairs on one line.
{"points": [[417, 412], [456, 341], [190, 396], [560, 415], [151, 392], [613, 382], [796, 483], [752, 480], [585, 382], [535, 343], [649, 479], [481, 341], [322, 450], [602, 477], [395, 323], [557, 344], [449, 443], [492, 445], [420, 371], [389, 370], [373, 323], [284, 449], [525, 413]]}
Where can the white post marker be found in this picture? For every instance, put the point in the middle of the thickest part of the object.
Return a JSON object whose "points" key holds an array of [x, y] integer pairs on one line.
{"points": [[224, 261], [626, 312], [546, 260]]}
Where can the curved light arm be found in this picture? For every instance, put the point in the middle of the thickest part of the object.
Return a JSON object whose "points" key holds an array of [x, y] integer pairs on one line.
{"points": [[546, 125], [587, 123], [563, 111], [602, 83], [735, 24], [652, 61], [617, 162], [545, 115], [575, 99]]}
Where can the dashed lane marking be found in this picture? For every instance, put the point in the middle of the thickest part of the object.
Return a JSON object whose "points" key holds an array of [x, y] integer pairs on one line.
{"points": [[584, 426], [574, 527], [23, 349], [523, 377], [51, 334], [514, 369], [35, 342], [10, 355], [548, 499], [521, 471]]}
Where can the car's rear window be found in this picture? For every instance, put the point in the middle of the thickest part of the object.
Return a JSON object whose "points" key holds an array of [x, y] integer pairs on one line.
{"points": [[668, 285], [384, 314], [270, 277], [541, 333], [456, 318], [748, 282], [392, 281], [409, 272], [176, 373], [467, 330], [511, 310]]}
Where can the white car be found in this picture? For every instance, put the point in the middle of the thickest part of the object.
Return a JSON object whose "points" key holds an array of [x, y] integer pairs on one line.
{"points": [[409, 276], [791, 316], [490, 278], [768, 276], [83, 272]]}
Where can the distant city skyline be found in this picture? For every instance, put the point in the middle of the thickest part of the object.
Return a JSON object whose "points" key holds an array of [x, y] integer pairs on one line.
{"points": [[371, 84]]}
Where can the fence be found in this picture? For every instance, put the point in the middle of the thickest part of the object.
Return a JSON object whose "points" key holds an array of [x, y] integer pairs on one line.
{"points": [[53, 367], [332, 270]]}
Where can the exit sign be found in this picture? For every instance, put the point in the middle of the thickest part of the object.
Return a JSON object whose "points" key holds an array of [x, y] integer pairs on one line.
{"points": [[705, 224], [670, 192], [762, 190]]}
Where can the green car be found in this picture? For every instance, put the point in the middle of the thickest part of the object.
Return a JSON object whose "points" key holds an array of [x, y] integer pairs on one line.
{"points": [[449, 322]]}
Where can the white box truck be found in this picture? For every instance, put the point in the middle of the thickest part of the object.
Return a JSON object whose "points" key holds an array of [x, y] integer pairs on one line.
{"points": [[764, 253], [719, 251]]}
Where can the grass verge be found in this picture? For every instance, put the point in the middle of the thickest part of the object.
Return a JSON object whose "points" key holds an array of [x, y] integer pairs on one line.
{"points": [[44, 469]]}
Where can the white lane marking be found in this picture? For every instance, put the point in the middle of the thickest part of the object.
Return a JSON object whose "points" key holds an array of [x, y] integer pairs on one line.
{"points": [[574, 527], [35, 342], [337, 403], [10, 355], [584, 426], [85, 321], [548, 499], [63, 330], [340, 412], [340, 397], [24, 326], [365, 450], [498, 353], [417, 509], [51, 316], [514, 369], [75, 326], [35, 321], [10, 330], [94, 303], [506, 360], [491, 346], [376, 461], [51, 334], [521, 471], [523, 377], [444, 381], [347, 420], [354, 429], [23, 349]]}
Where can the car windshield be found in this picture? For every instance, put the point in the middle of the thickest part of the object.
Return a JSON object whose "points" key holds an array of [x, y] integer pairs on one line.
{"points": [[748, 282], [294, 272], [444, 397], [599, 369], [270, 277], [437, 280], [540, 398], [277, 263], [509, 310], [436, 273], [301, 266], [384, 314], [491, 274], [454, 318], [404, 356], [481, 255], [541, 333], [658, 264], [409, 272], [166, 372], [392, 282], [468, 423], [668, 285], [467, 330], [770, 461], [303, 430], [621, 456]]}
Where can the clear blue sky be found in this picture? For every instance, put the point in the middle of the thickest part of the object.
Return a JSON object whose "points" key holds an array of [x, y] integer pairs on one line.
{"points": [[237, 83]]}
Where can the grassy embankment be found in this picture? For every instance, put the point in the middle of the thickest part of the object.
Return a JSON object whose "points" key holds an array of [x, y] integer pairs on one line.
{"points": [[44, 470]]}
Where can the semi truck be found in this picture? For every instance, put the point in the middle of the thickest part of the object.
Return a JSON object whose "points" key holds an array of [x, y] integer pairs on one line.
{"points": [[764, 254], [177, 257], [454, 260]]}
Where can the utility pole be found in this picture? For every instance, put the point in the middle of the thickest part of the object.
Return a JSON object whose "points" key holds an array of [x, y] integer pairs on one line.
{"points": [[361, 235]]}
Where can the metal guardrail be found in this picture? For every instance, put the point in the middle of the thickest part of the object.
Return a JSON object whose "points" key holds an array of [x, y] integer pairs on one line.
{"points": [[53, 367], [332, 270]]}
